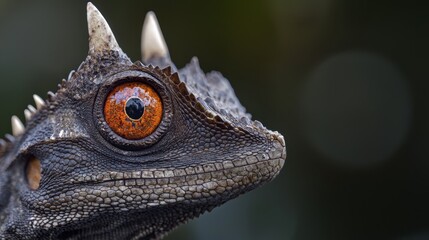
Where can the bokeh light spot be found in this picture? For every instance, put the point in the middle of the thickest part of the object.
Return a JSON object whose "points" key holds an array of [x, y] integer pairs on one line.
{"points": [[356, 109]]}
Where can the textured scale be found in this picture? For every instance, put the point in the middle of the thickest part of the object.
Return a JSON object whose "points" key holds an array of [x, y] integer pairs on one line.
{"points": [[68, 174]]}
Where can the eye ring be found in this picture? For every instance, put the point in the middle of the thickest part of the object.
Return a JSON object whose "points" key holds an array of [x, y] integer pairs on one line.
{"points": [[128, 77]]}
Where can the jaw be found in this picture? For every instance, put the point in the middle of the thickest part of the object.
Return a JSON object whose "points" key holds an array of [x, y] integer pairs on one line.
{"points": [[158, 199], [153, 223]]}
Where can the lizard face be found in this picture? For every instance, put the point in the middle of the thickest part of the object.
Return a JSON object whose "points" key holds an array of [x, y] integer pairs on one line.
{"points": [[128, 149]]}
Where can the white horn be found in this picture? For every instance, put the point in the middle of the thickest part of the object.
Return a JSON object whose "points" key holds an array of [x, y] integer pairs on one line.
{"points": [[152, 43], [101, 37], [17, 126]]}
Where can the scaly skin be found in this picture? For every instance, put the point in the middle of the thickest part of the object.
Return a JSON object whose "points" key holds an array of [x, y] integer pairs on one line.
{"points": [[98, 185]]}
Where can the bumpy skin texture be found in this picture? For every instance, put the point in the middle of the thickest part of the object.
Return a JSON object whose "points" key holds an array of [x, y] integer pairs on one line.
{"points": [[97, 185]]}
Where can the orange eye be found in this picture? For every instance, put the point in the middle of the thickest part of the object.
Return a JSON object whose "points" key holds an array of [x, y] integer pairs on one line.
{"points": [[133, 110]]}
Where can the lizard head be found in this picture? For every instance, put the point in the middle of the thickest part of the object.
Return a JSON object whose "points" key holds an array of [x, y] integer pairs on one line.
{"points": [[130, 149]]}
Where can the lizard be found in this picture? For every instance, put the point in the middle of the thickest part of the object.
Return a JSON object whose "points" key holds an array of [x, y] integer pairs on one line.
{"points": [[130, 150]]}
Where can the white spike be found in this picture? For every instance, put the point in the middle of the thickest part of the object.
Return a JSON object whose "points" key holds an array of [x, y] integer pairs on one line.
{"points": [[3, 146], [100, 35], [17, 126], [32, 109], [39, 101], [152, 42], [71, 74], [27, 115]]}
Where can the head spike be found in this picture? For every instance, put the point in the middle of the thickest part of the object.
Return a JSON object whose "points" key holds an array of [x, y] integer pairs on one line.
{"points": [[27, 115], [3, 146], [17, 126], [51, 95], [152, 43], [9, 138], [101, 37], [39, 101], [71, 74], [32, 109]]}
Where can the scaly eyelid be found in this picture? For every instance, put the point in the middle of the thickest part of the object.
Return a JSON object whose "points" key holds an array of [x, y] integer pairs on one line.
{"points": [[117, 129]]}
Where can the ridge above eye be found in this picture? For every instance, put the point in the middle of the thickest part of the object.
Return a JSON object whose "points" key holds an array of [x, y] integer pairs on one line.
{"points": [[133, 110]]}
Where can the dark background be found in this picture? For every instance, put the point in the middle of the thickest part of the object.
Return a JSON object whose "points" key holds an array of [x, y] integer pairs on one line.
{"points": [[346, 82]]}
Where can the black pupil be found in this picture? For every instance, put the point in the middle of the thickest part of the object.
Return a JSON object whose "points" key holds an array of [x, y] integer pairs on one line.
{"points": [[134, 108]]}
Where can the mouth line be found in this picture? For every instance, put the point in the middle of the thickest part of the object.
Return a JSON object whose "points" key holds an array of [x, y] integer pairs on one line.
{"points": [[255, 168], [143, 191]]}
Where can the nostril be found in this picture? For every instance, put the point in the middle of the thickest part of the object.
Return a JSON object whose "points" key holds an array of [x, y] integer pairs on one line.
{"points": [[33, 172]]}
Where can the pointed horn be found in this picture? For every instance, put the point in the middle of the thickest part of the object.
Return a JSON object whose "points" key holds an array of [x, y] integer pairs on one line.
{"points": [[39, 101], [100, 35], [27, 115], [3, 146], [32, 109], [152, 43], [17, 126]]}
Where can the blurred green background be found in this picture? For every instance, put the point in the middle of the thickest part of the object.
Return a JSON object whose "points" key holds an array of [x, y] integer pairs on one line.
{"points": [[346, 82]]}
